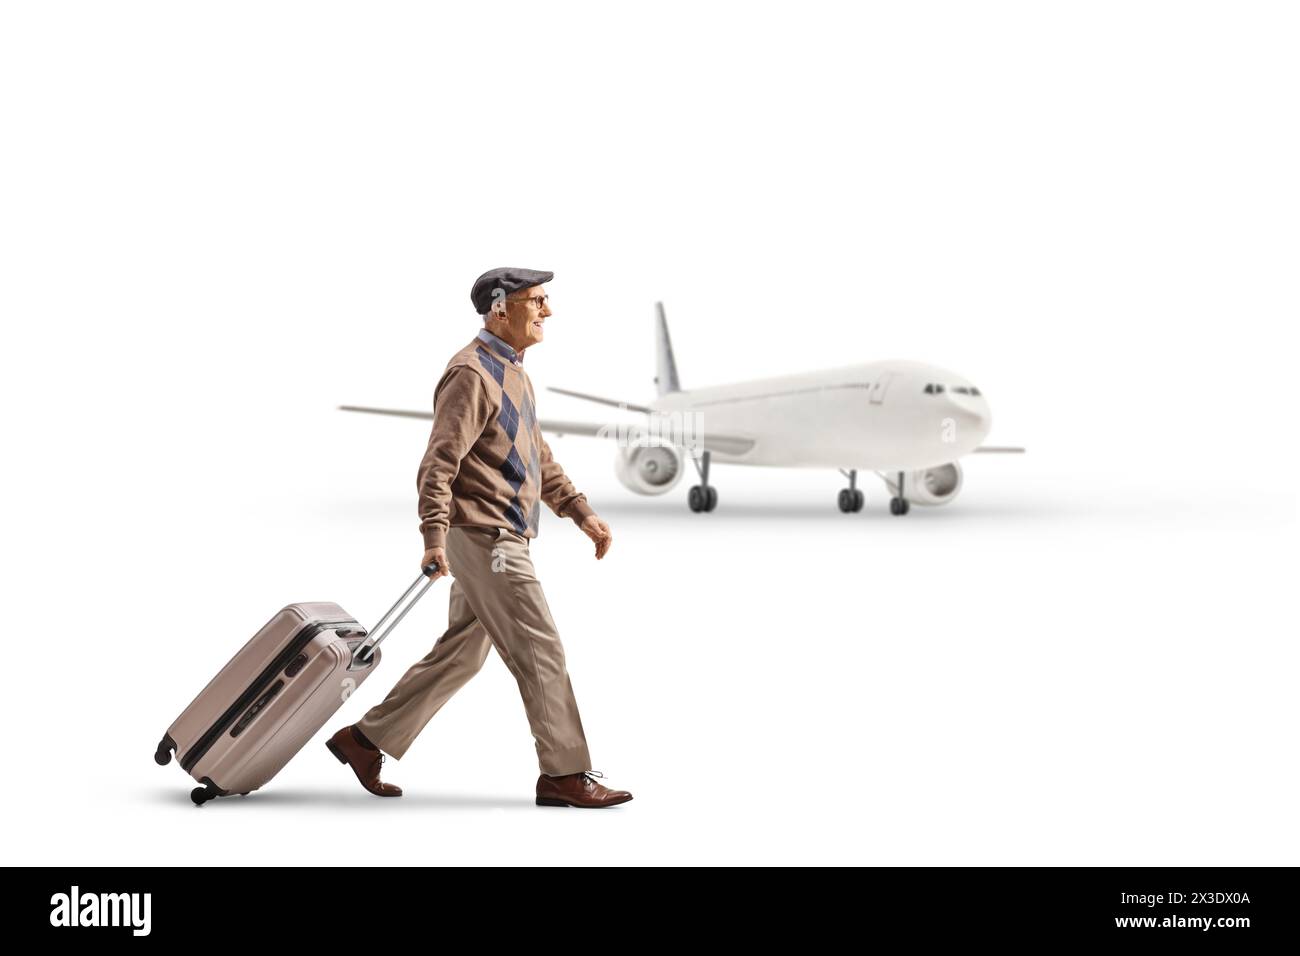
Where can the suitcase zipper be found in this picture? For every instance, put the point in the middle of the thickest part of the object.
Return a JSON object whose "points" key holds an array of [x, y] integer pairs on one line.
{"points": [[247, 698]]}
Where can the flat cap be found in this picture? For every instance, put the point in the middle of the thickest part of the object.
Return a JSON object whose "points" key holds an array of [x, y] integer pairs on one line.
{"points": [[508, 280]]}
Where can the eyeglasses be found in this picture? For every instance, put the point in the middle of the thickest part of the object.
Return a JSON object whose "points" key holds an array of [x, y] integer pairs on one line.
{"points": [[539, 301]]}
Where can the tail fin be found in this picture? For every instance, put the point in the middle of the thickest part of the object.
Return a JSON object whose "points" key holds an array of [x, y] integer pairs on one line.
{"points": [[665, 367]]}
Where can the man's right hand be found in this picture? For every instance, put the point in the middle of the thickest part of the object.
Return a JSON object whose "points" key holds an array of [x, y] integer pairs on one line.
{"points": [[436, 556]]}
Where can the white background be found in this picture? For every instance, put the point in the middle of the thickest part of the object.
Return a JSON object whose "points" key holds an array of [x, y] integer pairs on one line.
{"points": [[220, 222]]}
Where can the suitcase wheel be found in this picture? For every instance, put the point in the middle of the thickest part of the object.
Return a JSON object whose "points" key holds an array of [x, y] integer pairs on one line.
{"points": [[201, 795], [163, 755]]}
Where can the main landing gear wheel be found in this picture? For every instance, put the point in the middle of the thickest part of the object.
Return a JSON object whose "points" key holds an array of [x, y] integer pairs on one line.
{"points": [[702, 497], [851, 499]]}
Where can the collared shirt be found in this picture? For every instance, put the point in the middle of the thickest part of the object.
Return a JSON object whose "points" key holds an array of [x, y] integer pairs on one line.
{"points": [[500, 346]]}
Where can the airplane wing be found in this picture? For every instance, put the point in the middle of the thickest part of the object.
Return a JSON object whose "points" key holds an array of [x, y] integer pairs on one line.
{"points": [[999, 450], [386, 411], [726, 444], [590, 429]]}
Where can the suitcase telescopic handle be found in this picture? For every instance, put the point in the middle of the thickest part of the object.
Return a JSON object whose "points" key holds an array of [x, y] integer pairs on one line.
{"points": [[365, 649]]}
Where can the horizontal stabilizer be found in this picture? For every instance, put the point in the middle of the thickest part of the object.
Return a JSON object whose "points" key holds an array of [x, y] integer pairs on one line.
{"points": [[596, 398]]}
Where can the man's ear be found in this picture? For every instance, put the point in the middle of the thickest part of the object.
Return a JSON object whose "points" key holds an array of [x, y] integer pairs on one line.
{"points": [[499, 303]]}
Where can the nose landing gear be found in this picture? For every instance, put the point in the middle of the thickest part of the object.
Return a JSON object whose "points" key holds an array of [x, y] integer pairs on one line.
{"points": [[899, 505]]}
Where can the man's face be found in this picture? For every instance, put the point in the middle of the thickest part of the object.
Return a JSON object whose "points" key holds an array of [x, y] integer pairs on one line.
{"points": [[526, 311]]}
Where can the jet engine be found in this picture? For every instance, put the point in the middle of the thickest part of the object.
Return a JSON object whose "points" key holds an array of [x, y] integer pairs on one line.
{"points": [[928, 486], [649, 467]]}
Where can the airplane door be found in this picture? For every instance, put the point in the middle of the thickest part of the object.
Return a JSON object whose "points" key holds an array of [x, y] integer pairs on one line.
{"points": [[878, 388]]}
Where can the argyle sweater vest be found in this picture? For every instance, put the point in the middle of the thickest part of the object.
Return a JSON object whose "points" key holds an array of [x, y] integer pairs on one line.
{"points": [[487, 463]]}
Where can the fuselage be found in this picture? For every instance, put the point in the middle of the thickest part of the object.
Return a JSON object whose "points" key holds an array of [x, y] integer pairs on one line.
{"points": [[891, 415]]}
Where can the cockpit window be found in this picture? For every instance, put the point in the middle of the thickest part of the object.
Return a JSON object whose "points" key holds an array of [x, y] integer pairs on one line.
{"points": [[934, 389]]}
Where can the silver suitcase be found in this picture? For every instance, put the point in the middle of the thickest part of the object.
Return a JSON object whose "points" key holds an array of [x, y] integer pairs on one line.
{"points": [[274, 695]]}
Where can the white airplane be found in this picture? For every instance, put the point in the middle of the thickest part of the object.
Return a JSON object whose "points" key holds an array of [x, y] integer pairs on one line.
{"points": [[907, 422]]}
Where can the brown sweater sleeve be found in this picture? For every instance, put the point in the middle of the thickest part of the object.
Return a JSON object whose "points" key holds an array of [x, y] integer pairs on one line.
{"points": [[462, 408], [558, 492]]}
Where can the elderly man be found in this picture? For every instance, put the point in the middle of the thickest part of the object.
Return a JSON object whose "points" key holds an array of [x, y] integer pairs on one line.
{"points": [[484, 476]]}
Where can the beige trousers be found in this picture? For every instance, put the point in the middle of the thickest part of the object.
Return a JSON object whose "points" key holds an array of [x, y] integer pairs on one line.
{"points": [[496, 601]]}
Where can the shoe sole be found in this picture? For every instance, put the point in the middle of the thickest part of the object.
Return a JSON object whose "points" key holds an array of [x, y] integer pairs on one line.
{"points": [[553, 802], [344, 760]]}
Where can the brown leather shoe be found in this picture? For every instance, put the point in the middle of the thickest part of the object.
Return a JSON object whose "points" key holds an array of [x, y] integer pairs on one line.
{"points": [[577, 790], [365, 762]]}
